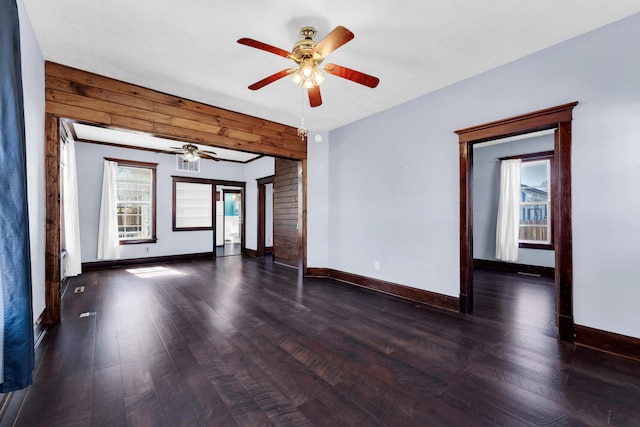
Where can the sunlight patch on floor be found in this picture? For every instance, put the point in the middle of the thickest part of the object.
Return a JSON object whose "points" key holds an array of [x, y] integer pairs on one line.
{"points": [[148, 272]]}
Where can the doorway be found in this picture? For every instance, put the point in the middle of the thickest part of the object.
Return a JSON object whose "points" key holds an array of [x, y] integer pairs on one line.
{"points": [[229, 235], [518, 289], [558, 118], [265, 216]]}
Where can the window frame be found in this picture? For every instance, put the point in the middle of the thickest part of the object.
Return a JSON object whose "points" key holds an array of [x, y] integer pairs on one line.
{"points": [[153, 168], [192, 180], [531, 157]]}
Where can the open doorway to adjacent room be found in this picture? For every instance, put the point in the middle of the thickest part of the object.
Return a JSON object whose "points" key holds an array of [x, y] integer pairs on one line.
{"points": [[518, 291], [557, 119], [229, 220]]}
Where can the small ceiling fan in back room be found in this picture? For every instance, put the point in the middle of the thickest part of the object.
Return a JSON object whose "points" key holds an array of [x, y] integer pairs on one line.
{"points": [[191, 153], [308, 55]]}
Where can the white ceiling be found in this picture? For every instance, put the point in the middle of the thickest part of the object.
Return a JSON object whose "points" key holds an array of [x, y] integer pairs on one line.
{"points": [[189, 49]]}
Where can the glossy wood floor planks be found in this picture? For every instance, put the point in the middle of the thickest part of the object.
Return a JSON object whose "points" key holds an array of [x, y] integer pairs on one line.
{"points": [[241, 341]]}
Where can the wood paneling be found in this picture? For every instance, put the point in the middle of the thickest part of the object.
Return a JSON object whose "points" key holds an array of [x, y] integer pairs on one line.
{"points": [[286, 218], [86, 97]]}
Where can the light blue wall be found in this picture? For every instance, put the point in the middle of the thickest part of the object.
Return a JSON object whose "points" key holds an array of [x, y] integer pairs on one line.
{"points": [[393, 178], [486, 193], [90, 157]]}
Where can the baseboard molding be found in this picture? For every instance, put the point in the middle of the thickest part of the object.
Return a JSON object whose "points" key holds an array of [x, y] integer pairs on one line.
{"points": [[610, 342], [113, 263], [513, 267], [268, 249], [317, 272], [251, 252], [418, 295], [39, 329]]}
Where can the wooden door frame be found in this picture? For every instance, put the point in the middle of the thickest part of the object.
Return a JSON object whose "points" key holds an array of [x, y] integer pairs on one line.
{"points": [[262, 218], [559, 118]]}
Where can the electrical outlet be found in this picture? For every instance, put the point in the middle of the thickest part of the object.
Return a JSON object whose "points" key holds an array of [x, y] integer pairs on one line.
{"points": [[376, 265]]}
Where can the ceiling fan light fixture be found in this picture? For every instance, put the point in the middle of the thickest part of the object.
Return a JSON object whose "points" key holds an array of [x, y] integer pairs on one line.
{"points": [[307, 75], [190, 153]]}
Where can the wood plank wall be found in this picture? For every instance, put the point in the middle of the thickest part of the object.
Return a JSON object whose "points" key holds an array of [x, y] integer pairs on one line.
{"points": [[88, 97], [286, 237]]}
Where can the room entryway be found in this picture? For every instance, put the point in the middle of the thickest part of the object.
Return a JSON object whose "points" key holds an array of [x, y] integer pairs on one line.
{"points": [[229, 220]]}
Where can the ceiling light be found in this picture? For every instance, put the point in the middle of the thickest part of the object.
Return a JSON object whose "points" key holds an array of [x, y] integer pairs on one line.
{"points": [[307, 75], [190, 154]]}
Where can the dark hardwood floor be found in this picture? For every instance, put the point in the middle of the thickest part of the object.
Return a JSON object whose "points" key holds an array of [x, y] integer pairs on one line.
{"points": [[241, 341], [518, 300]]}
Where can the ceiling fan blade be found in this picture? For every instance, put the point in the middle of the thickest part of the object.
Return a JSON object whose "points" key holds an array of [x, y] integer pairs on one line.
{"points": [[336, 38], [207, 156], [353, 75], [272, 78], [208, 152], [314, 96], [263, 46]]}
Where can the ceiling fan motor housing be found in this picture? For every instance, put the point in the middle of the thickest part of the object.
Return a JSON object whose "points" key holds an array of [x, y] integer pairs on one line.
{"points": [[305, 48]]}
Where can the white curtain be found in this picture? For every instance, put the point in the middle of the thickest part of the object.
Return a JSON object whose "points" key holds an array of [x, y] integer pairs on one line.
{"points": [[108, 242], [70, 211], [508, 227]]}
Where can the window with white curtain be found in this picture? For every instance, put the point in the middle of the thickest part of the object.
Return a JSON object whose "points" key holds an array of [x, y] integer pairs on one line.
{"points": [[135, 196]]}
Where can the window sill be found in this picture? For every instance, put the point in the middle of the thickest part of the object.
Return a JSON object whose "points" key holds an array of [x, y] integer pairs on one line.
{"points": [[543, 246], [138, 241]]}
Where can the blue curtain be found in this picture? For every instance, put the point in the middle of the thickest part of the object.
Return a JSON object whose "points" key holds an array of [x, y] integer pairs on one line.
{"points": [[15, 264]]}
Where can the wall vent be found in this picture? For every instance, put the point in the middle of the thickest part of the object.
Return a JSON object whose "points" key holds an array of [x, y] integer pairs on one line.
{"points": [[183, 166]]}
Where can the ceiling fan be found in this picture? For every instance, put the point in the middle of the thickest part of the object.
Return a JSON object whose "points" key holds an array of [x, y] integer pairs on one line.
{"points": [[191, 153], [308, 54]]}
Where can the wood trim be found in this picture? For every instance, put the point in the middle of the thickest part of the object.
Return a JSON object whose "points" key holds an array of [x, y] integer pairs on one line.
{"points": [[100, 265], [562, 232], [268, 249], [610, 342], [558, 117], [52, 212], [251, 252], [518, 125], [265, 180], [514, 268], [133, 163], [317, 272], [191, 180], [394, 289]]}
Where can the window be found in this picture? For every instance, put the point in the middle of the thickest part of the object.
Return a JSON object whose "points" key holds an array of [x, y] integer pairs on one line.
{"points": [[535, 201], [192, 204], [136, 200]]}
